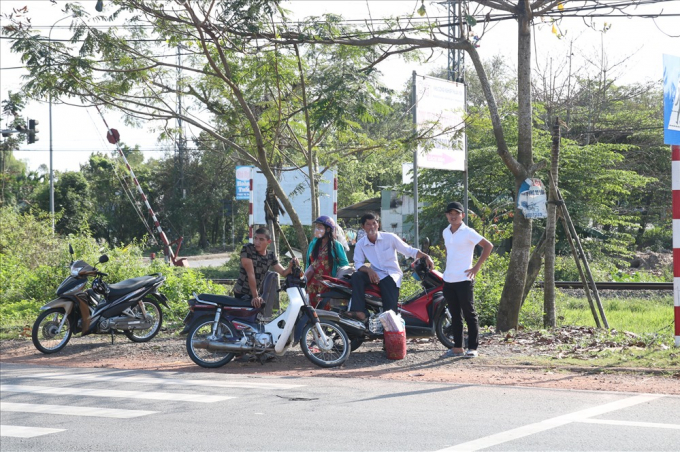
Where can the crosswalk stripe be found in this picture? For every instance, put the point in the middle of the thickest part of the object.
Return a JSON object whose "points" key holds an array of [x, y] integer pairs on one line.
{"points": [[150, 395], [630, 423], [163, 381], [17, 431], [72, 410]]}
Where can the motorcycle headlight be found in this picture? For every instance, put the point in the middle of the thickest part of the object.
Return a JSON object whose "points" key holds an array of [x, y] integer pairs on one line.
{"points": [[75, 271]]}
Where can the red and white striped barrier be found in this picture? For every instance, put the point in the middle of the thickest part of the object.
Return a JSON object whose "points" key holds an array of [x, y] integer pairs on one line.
{"points": [[113, 137], [675, 151]]}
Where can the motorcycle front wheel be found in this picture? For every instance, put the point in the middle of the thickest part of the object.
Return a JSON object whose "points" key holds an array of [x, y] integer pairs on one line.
{"points": [[46, 335], [153, 310], [313, 348], [442, 327], [199, 334]]}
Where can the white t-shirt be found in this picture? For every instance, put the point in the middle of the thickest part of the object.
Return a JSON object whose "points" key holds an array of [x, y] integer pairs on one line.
{"points": [[460, 247]]}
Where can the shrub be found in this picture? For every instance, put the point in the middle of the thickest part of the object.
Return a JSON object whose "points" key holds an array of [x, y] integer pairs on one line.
{"points": [[489, 287], [33, 263]]}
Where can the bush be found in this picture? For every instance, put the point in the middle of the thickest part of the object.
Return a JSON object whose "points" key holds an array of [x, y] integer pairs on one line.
{"points": [[489, 285], [657, 239], [33, 263]]}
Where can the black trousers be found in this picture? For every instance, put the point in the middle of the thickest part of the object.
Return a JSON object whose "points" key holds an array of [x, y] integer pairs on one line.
{"points": [[388, 290], [459, 296]]}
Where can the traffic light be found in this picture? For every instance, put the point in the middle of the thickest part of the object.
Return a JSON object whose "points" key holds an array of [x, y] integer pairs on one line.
{"points": [[32, 131]]}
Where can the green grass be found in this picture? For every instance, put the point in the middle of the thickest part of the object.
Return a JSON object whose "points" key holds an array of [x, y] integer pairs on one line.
{"points": [[637, 315]]}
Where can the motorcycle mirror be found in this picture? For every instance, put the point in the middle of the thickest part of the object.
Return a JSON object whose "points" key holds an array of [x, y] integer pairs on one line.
{"points": [[103, 259], [70, 249]]}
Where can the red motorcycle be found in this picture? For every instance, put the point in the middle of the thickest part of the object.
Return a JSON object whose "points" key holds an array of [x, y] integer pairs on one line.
{"points": [[425, 313]]}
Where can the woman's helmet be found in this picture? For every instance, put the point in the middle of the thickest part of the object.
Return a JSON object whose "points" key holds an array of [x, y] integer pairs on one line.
{"points": [[326, 221]]}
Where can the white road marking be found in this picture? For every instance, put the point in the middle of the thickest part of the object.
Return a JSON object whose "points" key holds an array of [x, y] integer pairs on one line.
{"points": [[151, 395], [17, 431], [531, 429], [164, 381], [72, 410], [631, 423]]}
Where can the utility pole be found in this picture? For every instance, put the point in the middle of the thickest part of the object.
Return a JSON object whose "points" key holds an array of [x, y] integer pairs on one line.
{"points": [[180, 126], [456, 60], [414, 103], [49, 48], [456, 72]]}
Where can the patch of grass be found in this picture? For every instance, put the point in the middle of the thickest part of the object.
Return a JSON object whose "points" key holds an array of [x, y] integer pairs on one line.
{"points": [[614, 358], [650, 316]]}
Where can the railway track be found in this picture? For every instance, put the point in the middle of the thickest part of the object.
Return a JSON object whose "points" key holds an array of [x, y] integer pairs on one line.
{"points": [[609, 285]]}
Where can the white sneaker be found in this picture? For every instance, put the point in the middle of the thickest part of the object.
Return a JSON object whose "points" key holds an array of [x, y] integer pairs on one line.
{"points": [[471, 354]]}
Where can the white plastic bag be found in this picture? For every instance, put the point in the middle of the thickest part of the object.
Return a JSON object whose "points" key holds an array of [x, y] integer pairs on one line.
{"points": [[392, 322]]}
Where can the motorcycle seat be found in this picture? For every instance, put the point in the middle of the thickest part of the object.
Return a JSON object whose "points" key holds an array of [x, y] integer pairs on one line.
{"points": [[119, 289], [224, 300]]}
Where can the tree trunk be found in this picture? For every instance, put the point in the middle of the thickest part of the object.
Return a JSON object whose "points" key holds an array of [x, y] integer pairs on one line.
{"points": [[534, 267], [202, 233], [511, 299], [549, 316], [295, 218]]}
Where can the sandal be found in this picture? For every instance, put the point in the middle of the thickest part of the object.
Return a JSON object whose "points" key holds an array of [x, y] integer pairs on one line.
{"points": [[357, 315]]}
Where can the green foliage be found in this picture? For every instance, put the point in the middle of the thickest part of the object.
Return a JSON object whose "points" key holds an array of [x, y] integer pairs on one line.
{"points": [[180, 285], [489, 287], [651, 318], [33, 263], [657, 238], [602, 270]]}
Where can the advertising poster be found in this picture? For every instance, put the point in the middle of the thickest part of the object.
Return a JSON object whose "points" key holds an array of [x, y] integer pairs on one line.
{"points": [[294, 183], [671, 99], [243, 182], [440, 104]]}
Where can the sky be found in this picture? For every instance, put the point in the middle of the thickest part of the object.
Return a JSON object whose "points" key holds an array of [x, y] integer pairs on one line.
{"points": [[633, 46]]}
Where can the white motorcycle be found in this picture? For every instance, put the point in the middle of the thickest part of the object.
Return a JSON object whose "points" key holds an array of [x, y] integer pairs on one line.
{"points": [[221, 327]]}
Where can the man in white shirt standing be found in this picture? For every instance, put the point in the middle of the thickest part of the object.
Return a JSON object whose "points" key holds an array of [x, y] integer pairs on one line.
{"points": [[380, 249], [460, 241]]}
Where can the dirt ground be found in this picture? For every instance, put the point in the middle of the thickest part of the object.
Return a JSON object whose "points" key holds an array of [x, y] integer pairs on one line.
{"points": [[499, 363]]}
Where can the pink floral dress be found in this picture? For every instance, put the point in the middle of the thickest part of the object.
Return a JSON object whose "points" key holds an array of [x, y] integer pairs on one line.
{"points": [[321, 268]]}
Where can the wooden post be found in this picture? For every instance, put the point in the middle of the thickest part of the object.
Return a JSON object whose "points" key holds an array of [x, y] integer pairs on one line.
{"points": [[580, 254], [549, 316]]}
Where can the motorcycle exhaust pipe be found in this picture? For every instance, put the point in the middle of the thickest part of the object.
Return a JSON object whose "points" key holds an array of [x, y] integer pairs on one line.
{"points": [[351, 323], [131, 325], [221, 346]]}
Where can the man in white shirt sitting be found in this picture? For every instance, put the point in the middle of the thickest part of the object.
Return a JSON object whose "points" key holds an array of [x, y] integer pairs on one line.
{"points": [[380, 249]]}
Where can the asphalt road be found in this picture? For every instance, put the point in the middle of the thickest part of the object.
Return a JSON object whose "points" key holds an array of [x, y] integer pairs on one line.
{"points": [[62, 409]]}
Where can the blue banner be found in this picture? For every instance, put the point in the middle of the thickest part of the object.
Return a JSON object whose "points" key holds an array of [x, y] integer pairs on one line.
{"points": [[243, 182], [671, 99]]}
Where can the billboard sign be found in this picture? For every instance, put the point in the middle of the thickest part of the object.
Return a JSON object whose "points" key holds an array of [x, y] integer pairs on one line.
{"points": [[440, 105], [294, 184], [671, 99], [243, 182]]}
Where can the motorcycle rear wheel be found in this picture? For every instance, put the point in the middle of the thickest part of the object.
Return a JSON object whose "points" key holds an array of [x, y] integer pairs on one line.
{"points": [[443, 329], [202, 356], [44, 333], [152, 309], [336, 355]]}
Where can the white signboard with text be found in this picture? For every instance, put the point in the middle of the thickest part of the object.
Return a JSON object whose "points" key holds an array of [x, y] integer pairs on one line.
{"points": [[440, 105], [295, 185]]}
